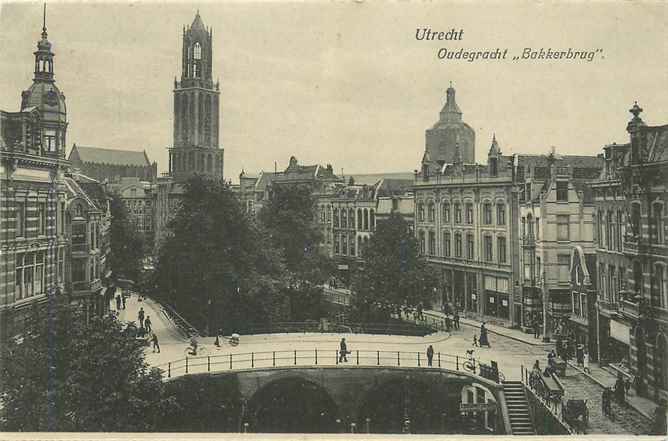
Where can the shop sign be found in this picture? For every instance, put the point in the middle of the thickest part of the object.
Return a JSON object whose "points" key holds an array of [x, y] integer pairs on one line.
{"points": [[620, 332], [504, 302], [491, 300]]}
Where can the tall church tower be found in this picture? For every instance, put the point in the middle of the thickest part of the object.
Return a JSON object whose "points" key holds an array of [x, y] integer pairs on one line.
{"points": [[195, 147]]}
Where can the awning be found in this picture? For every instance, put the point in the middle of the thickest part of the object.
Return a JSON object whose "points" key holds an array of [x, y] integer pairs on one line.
{"points": [[620, 332]]}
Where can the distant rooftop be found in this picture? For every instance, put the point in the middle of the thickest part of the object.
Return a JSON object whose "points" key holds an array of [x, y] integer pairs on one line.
{"points": [[98, 155]]}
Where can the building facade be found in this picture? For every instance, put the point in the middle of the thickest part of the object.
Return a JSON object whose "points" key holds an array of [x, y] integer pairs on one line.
{"points": [[32, 196], [112, 165], [195, 146], [466, 224], [583, 281], [138, 198], [556, 214]]}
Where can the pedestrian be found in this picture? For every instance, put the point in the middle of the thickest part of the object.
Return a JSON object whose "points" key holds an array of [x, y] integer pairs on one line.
{"points": [[620, 389], [585, 362], [536, 329], [123, 299], [456, 320], [580, 354], [147, 323], [447, 323], [475, 340], [140, 315], [118, 302], [343, 351], [484, 340], [156, 345], [430, 354]]}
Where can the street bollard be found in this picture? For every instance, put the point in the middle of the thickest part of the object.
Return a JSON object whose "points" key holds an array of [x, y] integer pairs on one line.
{"points": [[295, 357], [457, 361], [352, 427], [208, 363], [418, 359], [368, 425], [439, 359], [169, 370], [252, 359], [358, 357], [337, 356], [316, 356], [273, 359], [186, 364], [378, 357]]}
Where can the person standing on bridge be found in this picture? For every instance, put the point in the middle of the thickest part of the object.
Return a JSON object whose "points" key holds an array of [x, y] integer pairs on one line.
{"points": [[156, 345], [147, 323], [430, 355], [140, 315], [343, 351]]}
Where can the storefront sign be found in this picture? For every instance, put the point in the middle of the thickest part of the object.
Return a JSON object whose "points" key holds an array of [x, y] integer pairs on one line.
{"points": [[504, 302], [620, 332], [476, 407], [491, 300]]}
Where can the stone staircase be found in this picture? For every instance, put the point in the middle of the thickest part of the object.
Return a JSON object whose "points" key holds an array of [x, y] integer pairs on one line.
{"points": [[518, 408]]}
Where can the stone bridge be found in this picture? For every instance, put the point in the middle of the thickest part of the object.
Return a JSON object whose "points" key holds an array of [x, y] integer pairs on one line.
{"points": [[354, 394]]}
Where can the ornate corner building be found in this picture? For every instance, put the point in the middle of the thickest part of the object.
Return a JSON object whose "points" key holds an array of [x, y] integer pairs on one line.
{"points": [[32, 196], [195, 147]]}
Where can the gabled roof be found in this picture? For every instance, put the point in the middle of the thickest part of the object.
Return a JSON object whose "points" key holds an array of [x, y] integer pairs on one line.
{"points": [[657, 142], [97, 155], [373, 178]]}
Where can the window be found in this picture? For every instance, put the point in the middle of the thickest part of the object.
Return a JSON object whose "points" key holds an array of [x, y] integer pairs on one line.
{"points": [[420, 212], [336, 218], [50, 140], [197, 51], [458, 245], [431, 212], [344, 218], [344, 244], [637, 278], [563, 263], [501, 214], [360, 222], [488, 248], [42, 218], [635, 218], [351, 218], [422, 243], [469, 213], [537, 228], [563, 227], [337, 243], [619, 230], [657, 227], [487, 214], [29, 274], [446, 244], [352, 246], [524, 226], [366, 219], [79, 237], [458, 213], [527, 191], [469, 247], [446, 212], [21, 219], [432, 243], [562, 191], [372, 220], [502, 249]]}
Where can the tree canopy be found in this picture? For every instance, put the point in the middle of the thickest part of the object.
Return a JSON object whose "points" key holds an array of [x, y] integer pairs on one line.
{"points": [[217, 267], [393, 274], [127, 250], [69, 374]]}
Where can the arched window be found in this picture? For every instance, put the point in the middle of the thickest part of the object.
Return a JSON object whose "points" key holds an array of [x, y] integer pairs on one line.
{"points": [[487, 214], [336, 218], [372, 220], [420, 213], [197, 51], [431, 212], [344, 219], [360, 221], [500, 213], [458, 244], [366, 219], [351, 216], [469, 213], [656, 229], [458, 213], [446, 212]]}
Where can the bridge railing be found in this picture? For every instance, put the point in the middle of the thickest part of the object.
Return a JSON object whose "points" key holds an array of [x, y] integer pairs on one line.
{"points": [[418, 329], [314, 357]]}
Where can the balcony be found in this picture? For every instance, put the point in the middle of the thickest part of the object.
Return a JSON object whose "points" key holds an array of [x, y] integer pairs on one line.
{"points": [[85, 287], [629, 309], [608, 307]]}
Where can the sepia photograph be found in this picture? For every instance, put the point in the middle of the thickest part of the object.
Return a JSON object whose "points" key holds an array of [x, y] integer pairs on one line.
{"points": [[333, 219]]}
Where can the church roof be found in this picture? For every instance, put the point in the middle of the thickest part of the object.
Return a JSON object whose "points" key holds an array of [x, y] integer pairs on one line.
{"points": [[99, 155], [198, 24]]}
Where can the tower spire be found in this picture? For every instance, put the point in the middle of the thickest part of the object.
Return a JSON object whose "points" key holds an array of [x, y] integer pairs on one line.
{"points": [[44, 34]]}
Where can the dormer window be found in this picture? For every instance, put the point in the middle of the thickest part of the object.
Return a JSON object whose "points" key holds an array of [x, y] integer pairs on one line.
{"points": [[197, 51]]}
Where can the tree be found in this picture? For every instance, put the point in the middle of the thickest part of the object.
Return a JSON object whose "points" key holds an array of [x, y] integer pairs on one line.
{"points": [[289, 218], [127, 245], [69, 374], [393, 275], [217, 268]]}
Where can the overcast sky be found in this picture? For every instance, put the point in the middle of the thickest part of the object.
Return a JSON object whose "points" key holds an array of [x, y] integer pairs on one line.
{"points": [[346, 83]]}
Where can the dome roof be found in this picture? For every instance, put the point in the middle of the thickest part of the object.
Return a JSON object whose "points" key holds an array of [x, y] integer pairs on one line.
{"points": [[46, 97]]}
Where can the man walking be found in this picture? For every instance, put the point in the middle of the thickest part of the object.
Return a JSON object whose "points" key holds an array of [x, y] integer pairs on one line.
{"points": [[430, 355], [456, 320], [147, 323], [156, 345], [118, 302], [140, 315], [343, 351]]}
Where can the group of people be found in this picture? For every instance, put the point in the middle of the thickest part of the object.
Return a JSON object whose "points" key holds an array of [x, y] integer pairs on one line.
{"points": [[145, 327]]}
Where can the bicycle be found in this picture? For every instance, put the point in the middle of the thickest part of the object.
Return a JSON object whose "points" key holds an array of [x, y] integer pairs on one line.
{"points": [[201, 351]]}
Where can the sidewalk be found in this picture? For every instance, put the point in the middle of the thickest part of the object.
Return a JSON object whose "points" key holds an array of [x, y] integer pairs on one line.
{"points": [[604, 378], [514, 334]]}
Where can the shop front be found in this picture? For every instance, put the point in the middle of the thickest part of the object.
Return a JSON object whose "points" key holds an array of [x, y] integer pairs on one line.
{"points": [[497, 302], [619, 343]]}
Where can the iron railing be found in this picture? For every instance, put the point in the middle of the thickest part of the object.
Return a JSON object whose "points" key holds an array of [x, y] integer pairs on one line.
{"points": [[419, 329], [554, 406], [312, 357]]}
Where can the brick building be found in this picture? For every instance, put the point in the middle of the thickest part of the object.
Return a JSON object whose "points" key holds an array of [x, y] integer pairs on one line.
{"points": [[112, 165], [138, 198], [32, 196]]}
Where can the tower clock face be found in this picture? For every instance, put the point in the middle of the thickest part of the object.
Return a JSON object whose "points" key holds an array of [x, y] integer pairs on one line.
{"points": [[51, 98]]}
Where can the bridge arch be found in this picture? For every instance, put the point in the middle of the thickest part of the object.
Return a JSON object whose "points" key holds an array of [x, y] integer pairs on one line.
{"points": [[273, 406]]}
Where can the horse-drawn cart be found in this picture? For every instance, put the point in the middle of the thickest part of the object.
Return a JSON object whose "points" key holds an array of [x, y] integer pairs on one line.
{"points": [[576, 415]]}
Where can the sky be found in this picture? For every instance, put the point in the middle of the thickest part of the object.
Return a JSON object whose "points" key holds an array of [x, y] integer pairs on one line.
{"points": [[347, 83]]}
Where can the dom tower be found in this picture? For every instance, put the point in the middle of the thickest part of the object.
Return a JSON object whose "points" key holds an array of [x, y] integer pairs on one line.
{"points": [[196, 102]]}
